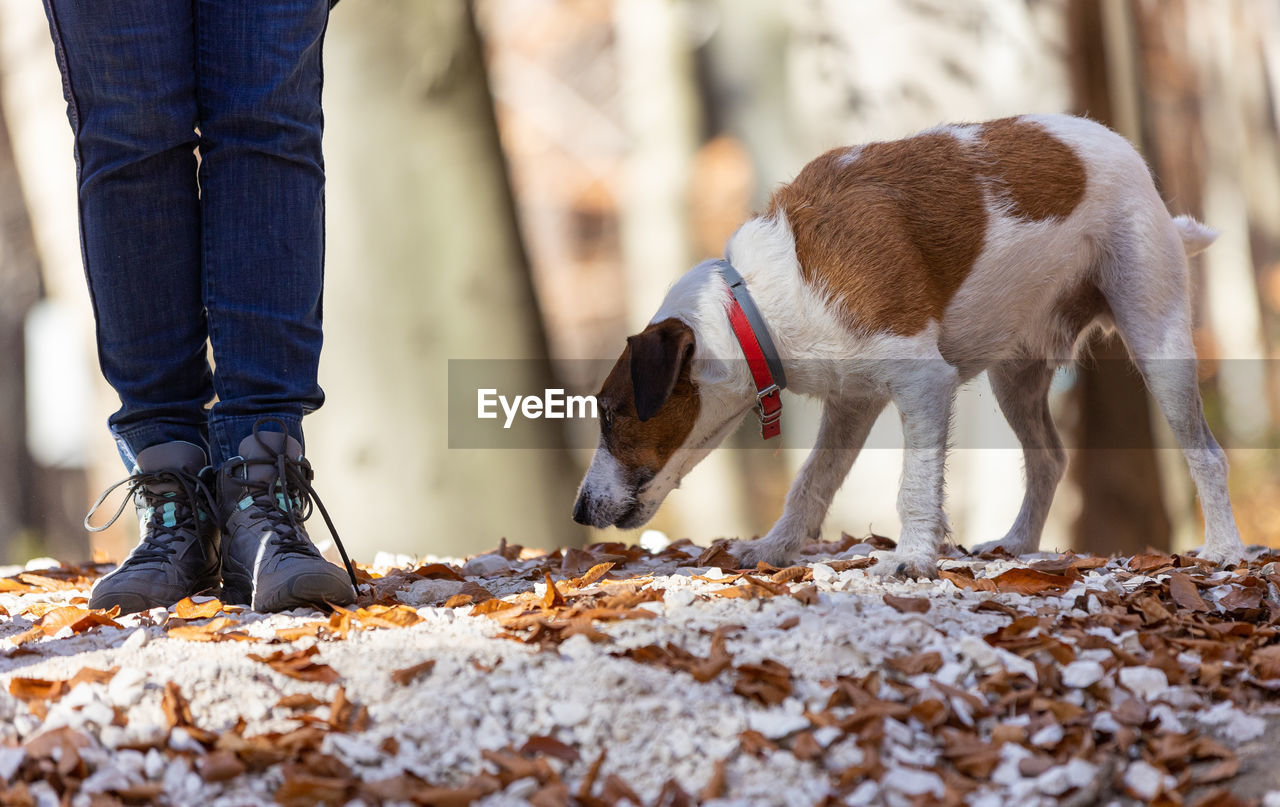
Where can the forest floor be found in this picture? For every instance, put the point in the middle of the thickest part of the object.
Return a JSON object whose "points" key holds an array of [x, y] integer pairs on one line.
{"points": [[616, 674]]}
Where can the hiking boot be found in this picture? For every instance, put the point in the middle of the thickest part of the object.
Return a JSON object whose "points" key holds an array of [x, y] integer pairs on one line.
{"points": [[269, 563], [178, 555]]}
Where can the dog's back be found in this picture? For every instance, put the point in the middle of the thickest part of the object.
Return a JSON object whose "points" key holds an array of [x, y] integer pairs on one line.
{"points": [[1006, 233]]}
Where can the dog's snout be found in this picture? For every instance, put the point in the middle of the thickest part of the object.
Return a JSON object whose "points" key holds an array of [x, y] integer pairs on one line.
{"points": [[580, 510]]}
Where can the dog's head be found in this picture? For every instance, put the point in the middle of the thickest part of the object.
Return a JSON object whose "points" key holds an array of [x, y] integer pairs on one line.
{"points": [[657, 421]]}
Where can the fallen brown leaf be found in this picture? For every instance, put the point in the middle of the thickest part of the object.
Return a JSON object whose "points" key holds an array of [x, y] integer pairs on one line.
{"points": [[187, 608], [549, 746], [388, 616], [37, 689], [552, 598], [219, 766], [438, 571], [593, 574], [714, 788], [408, 675], [1184, 592], [768, 682], [917, 663], [78, 619], [299, 665], [299, 700], [907, 605], [717, 555], [963, 578], [1030, 581], [490, 607]]}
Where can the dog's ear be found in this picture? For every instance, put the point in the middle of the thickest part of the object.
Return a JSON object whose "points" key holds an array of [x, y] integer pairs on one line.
{"points": [[658, 353]]}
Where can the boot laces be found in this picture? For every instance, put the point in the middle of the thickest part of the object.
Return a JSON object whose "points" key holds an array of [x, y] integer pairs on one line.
{"points": [[286, 500], [171, 514]]}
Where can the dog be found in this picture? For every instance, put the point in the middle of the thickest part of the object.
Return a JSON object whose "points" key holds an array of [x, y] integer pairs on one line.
{"points": [[897, 271]]}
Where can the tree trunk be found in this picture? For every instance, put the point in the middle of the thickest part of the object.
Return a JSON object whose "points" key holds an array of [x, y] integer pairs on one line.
{"points": [[425, 266], [19, 289], [1122, 505]]}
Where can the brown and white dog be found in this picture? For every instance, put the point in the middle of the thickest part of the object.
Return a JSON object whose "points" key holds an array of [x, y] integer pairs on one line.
{"points": [[897, 271]]}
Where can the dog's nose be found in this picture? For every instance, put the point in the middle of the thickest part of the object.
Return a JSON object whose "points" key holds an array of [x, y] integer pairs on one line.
{"points": [[580, 511]]}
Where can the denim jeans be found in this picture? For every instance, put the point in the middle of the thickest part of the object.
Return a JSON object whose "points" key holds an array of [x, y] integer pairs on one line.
{"points": [[197, 130]]}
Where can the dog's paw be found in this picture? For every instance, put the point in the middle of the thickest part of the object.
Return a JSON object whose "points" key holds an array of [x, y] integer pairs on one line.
{"points": [[906, 566], [1222, 555], [749, 553], [1012, 547]]}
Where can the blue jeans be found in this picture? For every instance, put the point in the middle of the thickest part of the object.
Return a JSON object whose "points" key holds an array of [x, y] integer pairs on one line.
{"points": [[197, 130]]}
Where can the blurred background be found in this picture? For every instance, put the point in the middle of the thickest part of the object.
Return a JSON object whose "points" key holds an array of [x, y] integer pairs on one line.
{"points": [[523, 179]]}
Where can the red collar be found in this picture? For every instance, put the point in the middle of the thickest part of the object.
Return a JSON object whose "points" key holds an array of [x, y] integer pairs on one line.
{"points": [[762, 357]]}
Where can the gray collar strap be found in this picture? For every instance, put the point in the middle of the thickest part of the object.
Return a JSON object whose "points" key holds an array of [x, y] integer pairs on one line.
{"points": [[757, 345]]}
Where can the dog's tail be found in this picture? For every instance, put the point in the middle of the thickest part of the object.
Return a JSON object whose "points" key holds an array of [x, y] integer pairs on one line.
{"points": [[1196, 237]]}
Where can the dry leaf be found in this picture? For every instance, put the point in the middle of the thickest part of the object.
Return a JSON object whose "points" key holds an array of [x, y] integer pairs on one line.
{"points": [[296, 632], [89, 675], [917, 663], [549, 746], [1265, 662], [907, 605], [808, 595], [714, 788], [718, 556], [491, 606], [78, 619], [222, 629], [302, 700], [438, 571], [589, 781], [1240, 597], [552, 598], [1183, 591], [963, 578], [593, 574], [388, 616], [175, 706], [187, 608], [408, 675], [1151, 563], [793, 574], [616, 790], [36, 689], [299, 665], [1030, 581], [768, 682], [220, 766]]}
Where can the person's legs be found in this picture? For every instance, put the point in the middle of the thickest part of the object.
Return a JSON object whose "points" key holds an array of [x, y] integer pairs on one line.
{"points": [[130, 90], [129, 80], [259, 76]]}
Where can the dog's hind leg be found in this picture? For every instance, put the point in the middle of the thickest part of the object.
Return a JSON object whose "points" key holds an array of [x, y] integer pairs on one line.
{"points": [[1154, 318], [845, 425], [1022, 389]]}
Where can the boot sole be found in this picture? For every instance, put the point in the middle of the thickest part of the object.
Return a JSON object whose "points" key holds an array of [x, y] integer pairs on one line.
{"points": [[306, 591], [133, 602]]}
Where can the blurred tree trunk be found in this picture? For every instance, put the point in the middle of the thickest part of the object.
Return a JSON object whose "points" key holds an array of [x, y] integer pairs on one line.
{"points": [[659, 100], [425, 266], [1122, 505], [19, 290], [742, 79]]}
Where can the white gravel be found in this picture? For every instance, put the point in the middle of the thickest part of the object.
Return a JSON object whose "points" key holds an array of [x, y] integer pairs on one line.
{"points": [[488, 692]]}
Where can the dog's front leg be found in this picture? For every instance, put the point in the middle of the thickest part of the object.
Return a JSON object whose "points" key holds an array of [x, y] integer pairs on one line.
{"points": [[924, 400], [844, 428]]}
